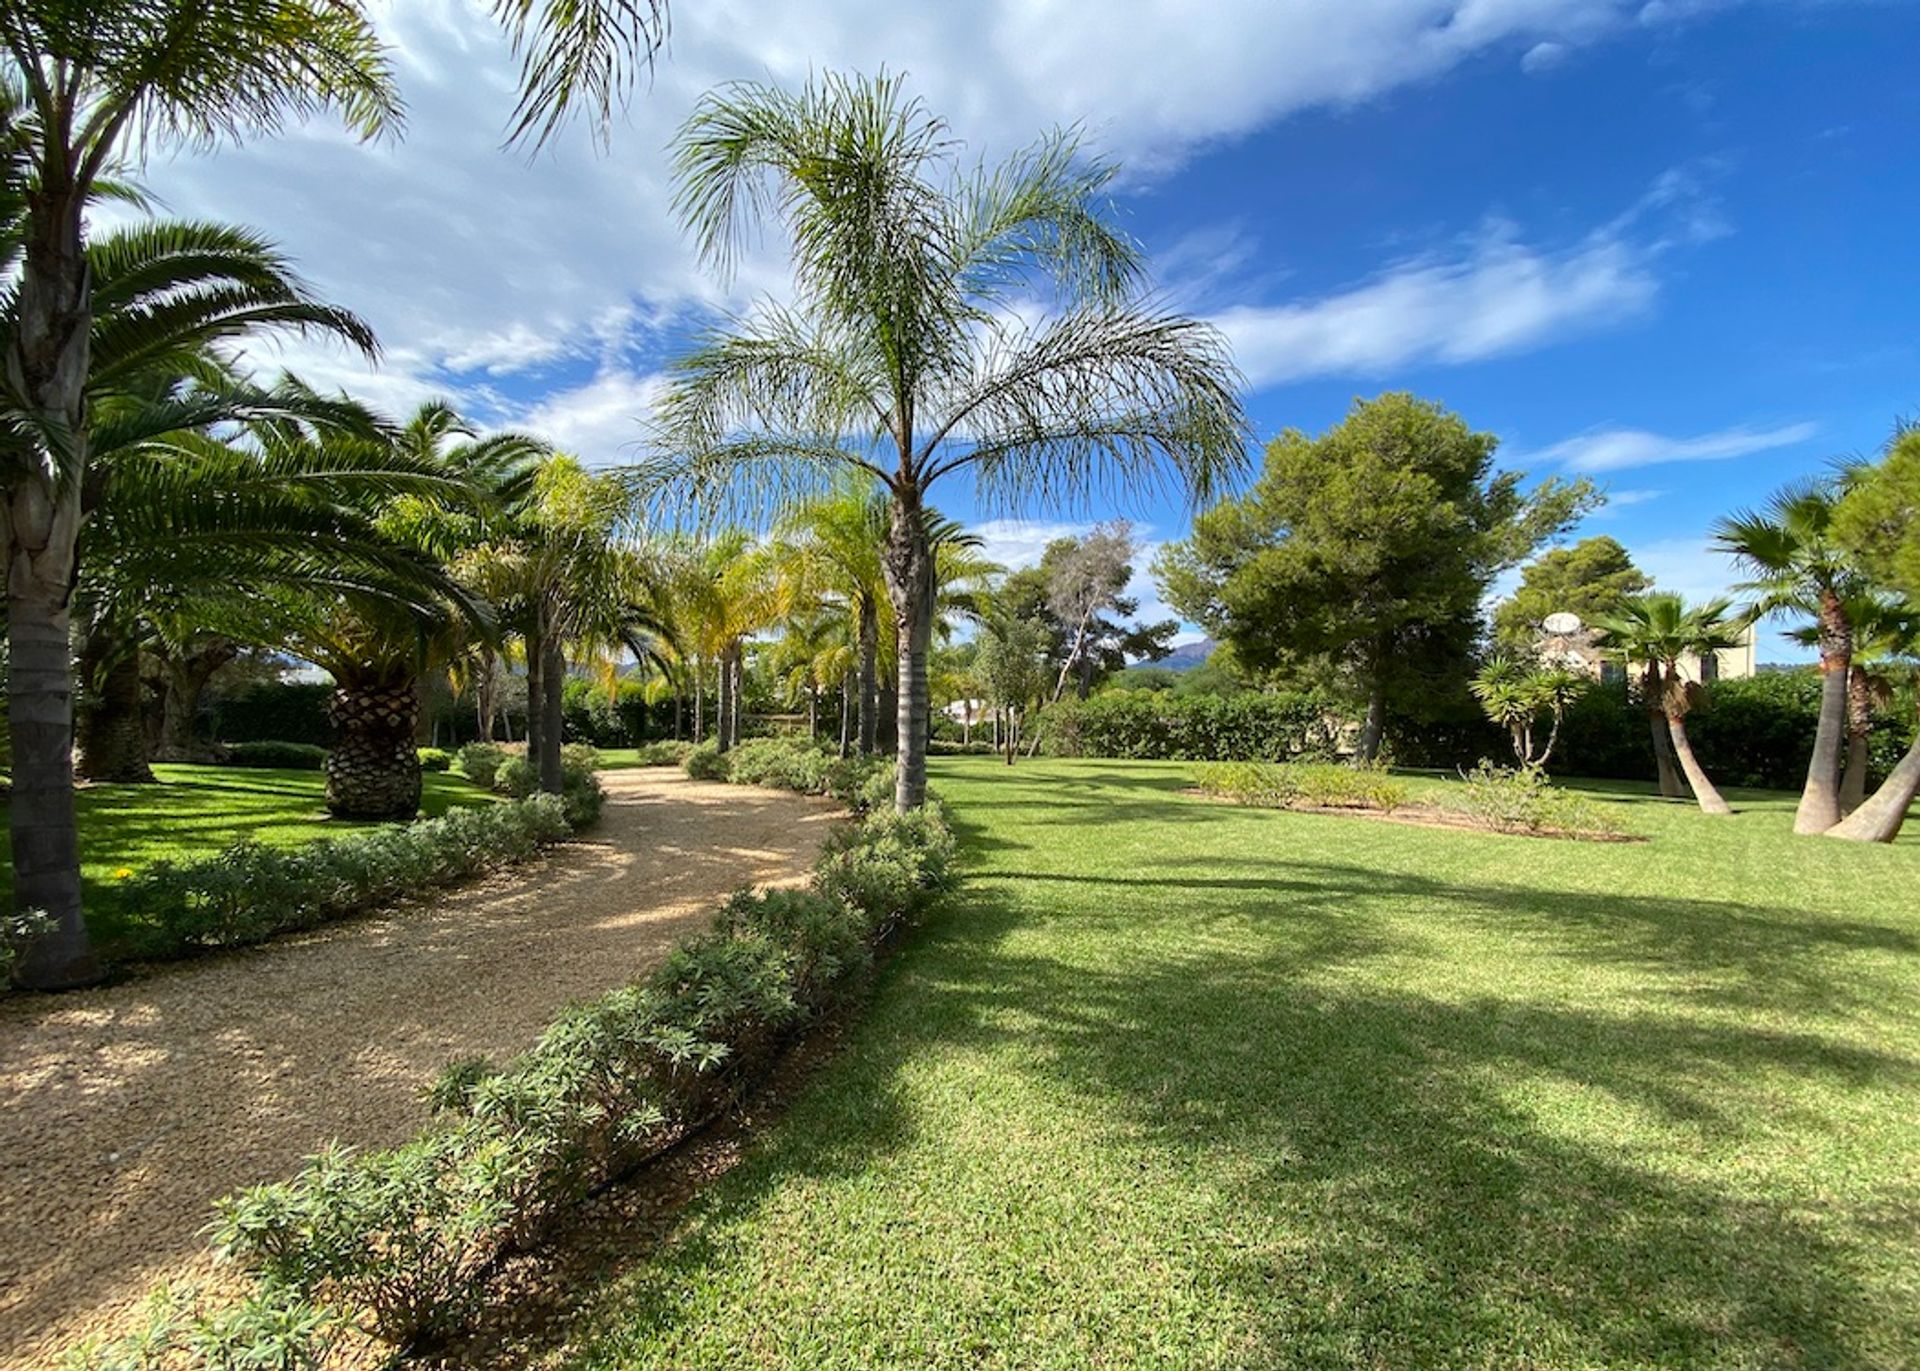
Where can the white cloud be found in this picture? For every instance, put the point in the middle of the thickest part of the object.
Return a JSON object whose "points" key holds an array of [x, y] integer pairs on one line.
{"points": [[467, 258], [1617, 449], [1499, 296], [1543, 57], [1019, 543], [600, 422]]}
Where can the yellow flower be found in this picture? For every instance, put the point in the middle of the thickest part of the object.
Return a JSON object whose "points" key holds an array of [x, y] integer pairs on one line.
{"points": [[123, 873]]}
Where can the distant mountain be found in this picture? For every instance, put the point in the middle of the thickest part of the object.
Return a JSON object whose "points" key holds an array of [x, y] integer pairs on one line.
{"points": [[1187, 656]]}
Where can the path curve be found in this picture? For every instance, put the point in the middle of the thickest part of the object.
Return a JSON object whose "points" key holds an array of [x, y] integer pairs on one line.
{"points": [[124, 1112]]}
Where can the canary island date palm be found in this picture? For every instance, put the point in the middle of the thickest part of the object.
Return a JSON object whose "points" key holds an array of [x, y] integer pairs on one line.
{"points": [[1797, 566], [911, 351], [1660, 629]]}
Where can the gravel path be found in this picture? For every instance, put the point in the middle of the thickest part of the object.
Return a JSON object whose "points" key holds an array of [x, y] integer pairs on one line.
{"points": [[124, 1112]]}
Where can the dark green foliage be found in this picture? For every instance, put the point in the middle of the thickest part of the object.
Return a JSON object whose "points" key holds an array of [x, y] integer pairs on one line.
{"points": [[285, 711], [707, 763], [1192, 728], [591, 713], [278, 756], [1589, 579], [435, 759], [482, 762], [1756, 731], [249, 892], [579, 785]]}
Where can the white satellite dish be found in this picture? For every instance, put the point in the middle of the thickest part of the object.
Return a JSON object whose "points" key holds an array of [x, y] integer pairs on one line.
{"points": [[1562, 622]]}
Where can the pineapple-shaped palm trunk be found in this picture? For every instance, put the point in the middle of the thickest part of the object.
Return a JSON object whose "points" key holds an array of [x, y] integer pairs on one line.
{"points": [[373, 771]]}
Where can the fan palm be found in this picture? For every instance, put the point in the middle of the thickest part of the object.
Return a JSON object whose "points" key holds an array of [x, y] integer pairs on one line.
{"points": [[1884, 630], [1796, 565], [905, 357], [1660, 629]]}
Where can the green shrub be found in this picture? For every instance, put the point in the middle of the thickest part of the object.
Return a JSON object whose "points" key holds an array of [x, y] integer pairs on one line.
{"points": [[707, 763], [409, 1235], [481, 762], [1160, 724], [268, 1330], [435, 759], [580, 788], [1311, 785], [671, 752], [1507, 800], [16, 931], [251, 892], [291, 711], [280, 756]]}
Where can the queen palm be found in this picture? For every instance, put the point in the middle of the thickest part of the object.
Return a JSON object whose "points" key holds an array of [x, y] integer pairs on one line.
{"points": [[905, 356], [1660, 629], [1796, 565], [830, 548]]}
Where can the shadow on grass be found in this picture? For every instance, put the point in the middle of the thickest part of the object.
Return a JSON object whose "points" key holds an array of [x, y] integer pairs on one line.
{"points": [[1396, 1192]]}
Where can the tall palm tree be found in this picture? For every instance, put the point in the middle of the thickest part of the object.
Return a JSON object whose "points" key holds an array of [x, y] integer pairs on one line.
{"points": [[830, 548], [1660, 629], [904, 358], [1885, 631], [1789, 550], [82, 82]]}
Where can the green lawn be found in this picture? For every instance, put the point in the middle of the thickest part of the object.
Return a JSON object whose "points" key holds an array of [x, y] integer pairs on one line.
{"points": [[196, 811], [1179, 1084]]}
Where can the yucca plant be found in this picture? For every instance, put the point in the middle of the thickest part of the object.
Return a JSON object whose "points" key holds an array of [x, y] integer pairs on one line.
{"points": [[1514, 694]]}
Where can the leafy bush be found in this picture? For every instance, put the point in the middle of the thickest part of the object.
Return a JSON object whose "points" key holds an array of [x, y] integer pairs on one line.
{"points": [[435, 759], [781, 763], [708, 763], [409, 1235], [1192, 728], [580, 788], [269, 1330], [281, 756], [16, 931], [482, 762], [670, 752], [1509, 800], [1308, 785], [251, 892]]}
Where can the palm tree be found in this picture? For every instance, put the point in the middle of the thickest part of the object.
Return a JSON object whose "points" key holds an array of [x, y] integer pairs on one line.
{"points": [[903, 358], [1789, 550], [1885, 630], [830, 547], [1659, 629]]}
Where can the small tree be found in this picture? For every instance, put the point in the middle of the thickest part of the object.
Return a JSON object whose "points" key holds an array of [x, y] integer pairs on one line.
{"points": [[1515, 694], [1012, 663]]}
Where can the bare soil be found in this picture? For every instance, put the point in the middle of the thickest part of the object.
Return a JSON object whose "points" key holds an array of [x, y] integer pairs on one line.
{"points": [[126, 1111]]}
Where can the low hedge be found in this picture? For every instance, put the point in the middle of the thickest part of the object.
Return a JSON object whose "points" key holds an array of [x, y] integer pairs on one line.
{"points": [[435, 759], [250, 892], [277, 755], [1313, 785], [579, 785], [401, 1242], [1163, 726], [670, 752]]}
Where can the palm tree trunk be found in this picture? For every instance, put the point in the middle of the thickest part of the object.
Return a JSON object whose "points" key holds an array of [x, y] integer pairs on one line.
{"points": [[869, 674], [1710, 801], [373, 771], [813, 711], [552, 690], [1879, 817], [699, 701], [909, 566], [739, 669], [1013, 735], [1853, 779], [1820, 802], [536, 643], [113, 732], [1672, 785], [723, 711], [188, 671], [46, 371], [846, 714]]}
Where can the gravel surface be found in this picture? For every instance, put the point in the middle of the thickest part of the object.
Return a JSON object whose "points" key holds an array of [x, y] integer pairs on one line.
{"points": [[124, 1112]]}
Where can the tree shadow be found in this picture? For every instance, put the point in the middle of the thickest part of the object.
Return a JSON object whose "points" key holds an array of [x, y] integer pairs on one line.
{"points": [[1396, 1178]]}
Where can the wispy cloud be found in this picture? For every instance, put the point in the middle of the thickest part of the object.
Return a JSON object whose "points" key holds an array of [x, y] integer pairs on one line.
{"points": [[1618, 449]]}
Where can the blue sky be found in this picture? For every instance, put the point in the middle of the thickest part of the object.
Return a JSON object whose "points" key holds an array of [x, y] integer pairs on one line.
{"points": [[1669, 244]]}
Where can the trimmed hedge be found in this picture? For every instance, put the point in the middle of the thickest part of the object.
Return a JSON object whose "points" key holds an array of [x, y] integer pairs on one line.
{"points": [[277, 755], [401, 1242], [250, 892], [1160, 725], [435, 759], [271, 711]]}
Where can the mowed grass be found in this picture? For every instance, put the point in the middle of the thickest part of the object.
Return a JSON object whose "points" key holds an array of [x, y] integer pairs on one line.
{"points": [[1180, 1084], [195, 811]]}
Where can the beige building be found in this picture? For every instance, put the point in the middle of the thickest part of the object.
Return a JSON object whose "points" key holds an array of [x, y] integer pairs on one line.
{"points": [[1573, 646]]}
